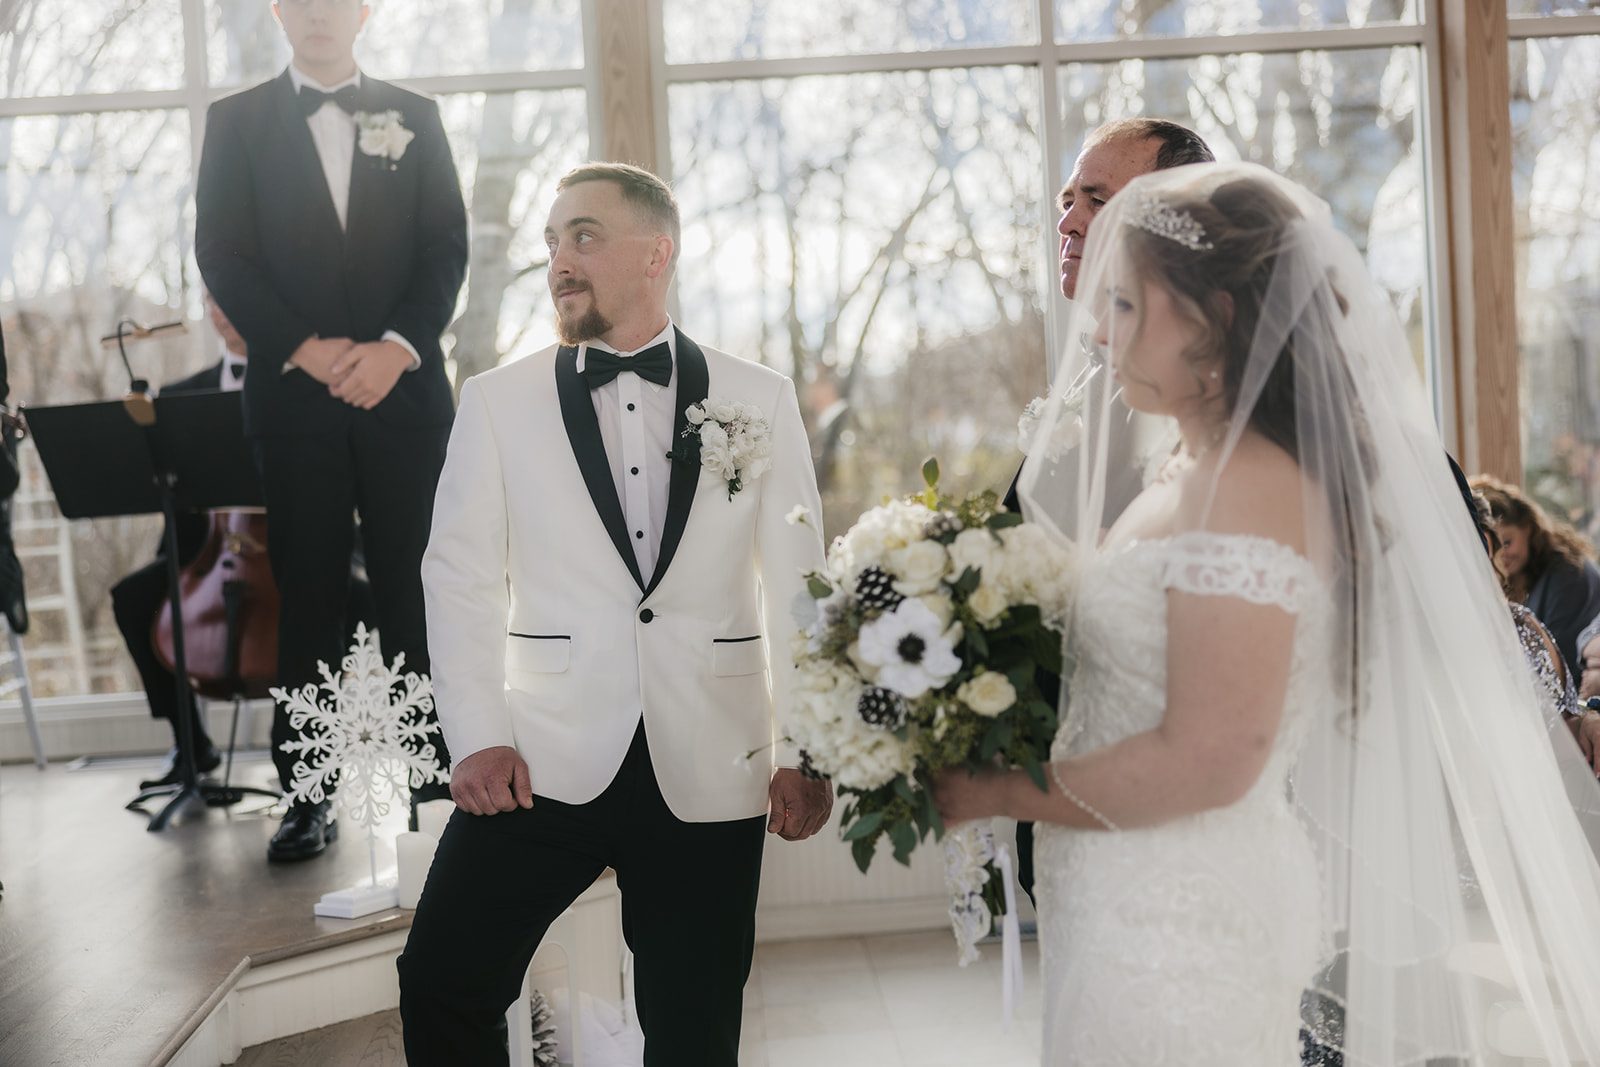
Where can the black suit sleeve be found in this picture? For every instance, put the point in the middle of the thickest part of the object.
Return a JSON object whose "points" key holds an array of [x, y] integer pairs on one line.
{"points": [[227, 237], [440, 261]]}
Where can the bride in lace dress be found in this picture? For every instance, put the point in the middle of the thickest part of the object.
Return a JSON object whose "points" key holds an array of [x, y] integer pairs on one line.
{"points": [[1291, 676]]}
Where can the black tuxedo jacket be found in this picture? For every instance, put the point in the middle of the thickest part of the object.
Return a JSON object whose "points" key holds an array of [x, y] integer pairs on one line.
{"points": [[268, 242]]}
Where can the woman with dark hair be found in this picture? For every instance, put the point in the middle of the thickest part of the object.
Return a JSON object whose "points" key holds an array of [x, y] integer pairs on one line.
{"points": [[1291, 674], [1546, 565]]}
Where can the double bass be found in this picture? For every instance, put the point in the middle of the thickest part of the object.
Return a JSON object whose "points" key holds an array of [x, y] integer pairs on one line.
{"points": [[230, 611]]}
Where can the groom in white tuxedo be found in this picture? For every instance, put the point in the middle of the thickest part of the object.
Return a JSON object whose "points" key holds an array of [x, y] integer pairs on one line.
{"points": [[609, 625]]}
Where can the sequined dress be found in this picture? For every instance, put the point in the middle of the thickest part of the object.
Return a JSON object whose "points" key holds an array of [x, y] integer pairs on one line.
{"points": [[1189, 942]]}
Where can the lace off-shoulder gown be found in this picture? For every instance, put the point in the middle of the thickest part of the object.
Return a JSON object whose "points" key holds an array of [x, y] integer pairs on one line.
{"points": [[1189, 942]]}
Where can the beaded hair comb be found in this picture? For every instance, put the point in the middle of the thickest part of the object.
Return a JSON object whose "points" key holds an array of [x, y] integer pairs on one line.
{"points": [[1152, 214]]}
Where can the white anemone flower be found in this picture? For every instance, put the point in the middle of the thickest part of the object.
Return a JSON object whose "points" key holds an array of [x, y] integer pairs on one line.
{"points": [[910, 648]]}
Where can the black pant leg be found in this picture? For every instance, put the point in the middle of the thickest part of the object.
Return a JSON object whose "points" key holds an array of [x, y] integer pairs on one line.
{"points": [[496, 884], [135, 602], [1025, 859], [309, 486], [689, 915], [397, 472]]}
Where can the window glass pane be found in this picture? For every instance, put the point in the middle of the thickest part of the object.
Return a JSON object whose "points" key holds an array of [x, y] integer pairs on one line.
{"points": [[510, 149], [1523, 8], [97, 229], [876, 237], [1555, 129], [1343, 124], [1078, 21], [408, 38], [710, 31], [63, 47]]}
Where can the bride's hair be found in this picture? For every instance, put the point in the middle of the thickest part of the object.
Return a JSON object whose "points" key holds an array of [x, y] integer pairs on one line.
{"points": [[1222, 278], [1221, 289]]}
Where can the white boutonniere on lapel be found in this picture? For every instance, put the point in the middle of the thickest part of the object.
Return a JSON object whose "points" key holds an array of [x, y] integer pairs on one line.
{"points": [[383, 135], [734, 438]]}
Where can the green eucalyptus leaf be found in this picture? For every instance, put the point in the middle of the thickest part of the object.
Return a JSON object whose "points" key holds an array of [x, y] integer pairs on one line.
{"points": [[868, 823], [818, 588], [862, 850], [930, 471]]}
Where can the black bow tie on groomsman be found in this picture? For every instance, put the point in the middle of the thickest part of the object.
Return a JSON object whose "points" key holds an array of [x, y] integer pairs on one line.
{"points": [[311, 99], [654, 364]]}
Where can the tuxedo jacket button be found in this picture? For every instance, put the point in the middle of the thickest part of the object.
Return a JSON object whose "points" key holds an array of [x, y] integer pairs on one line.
{"points": [[646, 615]]}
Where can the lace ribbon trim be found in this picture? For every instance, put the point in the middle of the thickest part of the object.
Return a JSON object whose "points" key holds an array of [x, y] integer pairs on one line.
{"points": [[1251, 568]]}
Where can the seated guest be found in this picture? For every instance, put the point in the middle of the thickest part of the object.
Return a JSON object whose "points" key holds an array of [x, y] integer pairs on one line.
{"points": [[1545, 565], [1549, 668]]}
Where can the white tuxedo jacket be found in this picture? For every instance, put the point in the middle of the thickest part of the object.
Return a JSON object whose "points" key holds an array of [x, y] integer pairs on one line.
{"points": [[544, 636]]}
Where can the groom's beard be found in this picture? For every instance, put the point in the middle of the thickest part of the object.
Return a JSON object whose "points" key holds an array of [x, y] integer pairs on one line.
{"points": [[590, 325]]}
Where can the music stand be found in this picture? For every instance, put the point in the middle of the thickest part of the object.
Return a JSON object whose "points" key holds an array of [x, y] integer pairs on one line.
{"points": [[193, 457]]}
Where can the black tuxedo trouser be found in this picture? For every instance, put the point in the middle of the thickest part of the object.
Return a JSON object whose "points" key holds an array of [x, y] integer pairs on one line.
{"points": [[498, 881], [313, 483]]}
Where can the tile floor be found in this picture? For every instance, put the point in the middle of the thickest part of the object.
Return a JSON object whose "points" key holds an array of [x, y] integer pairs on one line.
{"points": [[893, 1000]]}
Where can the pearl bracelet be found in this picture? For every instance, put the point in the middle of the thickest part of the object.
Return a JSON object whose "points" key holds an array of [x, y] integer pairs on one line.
{"points": [[1092, 811]]}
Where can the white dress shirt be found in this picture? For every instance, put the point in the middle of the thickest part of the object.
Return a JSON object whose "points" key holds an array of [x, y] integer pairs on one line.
{"points": [[333, 132], [636, 420]]}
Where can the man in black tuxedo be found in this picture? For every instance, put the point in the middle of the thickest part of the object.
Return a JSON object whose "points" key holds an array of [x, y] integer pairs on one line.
{"points": [[1113, 155], [330, 229]]}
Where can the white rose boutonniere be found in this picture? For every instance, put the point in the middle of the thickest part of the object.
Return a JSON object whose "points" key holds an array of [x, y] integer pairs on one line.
{"points": [[383, 135], [735, 440]]}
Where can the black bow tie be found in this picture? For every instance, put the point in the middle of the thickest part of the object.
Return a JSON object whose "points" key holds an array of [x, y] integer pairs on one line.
{"points": [[653, 365], [311, 99], [236, 371]]}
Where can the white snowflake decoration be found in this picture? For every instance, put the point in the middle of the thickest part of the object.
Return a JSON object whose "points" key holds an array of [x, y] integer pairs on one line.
{"points": [[374, 742]]}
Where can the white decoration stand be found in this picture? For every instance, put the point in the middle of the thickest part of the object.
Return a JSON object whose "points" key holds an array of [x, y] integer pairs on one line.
{"points": [[370, 731], [360, 900]]}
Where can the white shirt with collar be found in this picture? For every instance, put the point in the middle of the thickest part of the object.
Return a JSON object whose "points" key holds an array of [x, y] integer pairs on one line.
{"points": [[636, 419], [333, 132]]}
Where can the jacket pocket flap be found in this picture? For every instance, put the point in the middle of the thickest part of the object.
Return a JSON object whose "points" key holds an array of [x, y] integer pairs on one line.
{"points": [[738, 656], [533, 654]]}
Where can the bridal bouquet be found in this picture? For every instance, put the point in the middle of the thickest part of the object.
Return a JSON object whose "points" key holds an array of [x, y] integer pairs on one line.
{"points": [[917, 651]]}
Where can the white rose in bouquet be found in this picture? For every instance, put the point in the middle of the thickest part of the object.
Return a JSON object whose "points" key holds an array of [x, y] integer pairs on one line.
{"points": [[918, 567], [988, 694], [988, 602], [977, 549]]}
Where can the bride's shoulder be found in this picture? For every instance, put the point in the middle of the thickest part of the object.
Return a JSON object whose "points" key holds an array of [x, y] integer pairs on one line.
{"points": [[1258, 492]]}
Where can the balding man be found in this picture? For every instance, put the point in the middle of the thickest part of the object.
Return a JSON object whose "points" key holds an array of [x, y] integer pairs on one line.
{"points": [[1112, 156]]}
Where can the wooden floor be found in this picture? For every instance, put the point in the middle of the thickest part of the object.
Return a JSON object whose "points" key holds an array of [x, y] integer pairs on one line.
{"points": [[372, 1041], [112, 937]]}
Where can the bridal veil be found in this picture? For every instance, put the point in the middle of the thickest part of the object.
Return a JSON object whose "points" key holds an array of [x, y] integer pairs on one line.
{"points": [[1460, 893]]}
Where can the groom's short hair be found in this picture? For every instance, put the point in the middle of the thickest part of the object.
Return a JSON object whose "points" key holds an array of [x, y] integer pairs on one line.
{"points": [[651, 196], [1179, 144]]}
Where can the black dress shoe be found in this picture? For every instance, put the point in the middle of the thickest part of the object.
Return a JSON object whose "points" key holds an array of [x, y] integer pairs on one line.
{"points": [[306, 831], [208, 760]]}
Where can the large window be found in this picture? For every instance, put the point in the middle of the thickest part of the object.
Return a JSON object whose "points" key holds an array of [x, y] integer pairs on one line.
{"points": [[1556, 183], [869, 188]]}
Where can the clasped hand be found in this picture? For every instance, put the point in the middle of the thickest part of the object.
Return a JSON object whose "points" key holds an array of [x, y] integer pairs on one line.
{"points": [[359, 374]]}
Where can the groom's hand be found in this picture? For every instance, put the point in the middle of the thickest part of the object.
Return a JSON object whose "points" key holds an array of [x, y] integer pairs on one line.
{"points": [[800, 806], [491, 780]]}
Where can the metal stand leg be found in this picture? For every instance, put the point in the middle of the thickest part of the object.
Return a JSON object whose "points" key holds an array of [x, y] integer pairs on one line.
{"points": [[20, 685]]}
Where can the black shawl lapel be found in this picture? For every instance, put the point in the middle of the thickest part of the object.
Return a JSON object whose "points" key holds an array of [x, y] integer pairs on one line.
{"points": [[583, 430], [693, 384], [303, 149], [368, 208]]}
